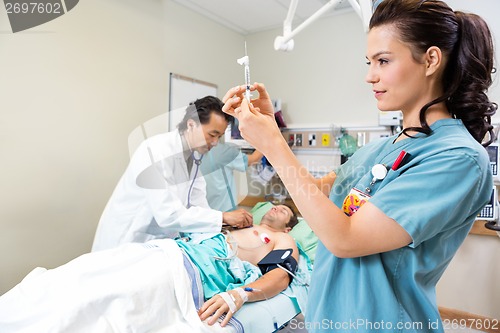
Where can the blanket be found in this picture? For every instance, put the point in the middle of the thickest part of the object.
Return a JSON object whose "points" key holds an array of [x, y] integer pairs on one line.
{"points": [[134, 288]]}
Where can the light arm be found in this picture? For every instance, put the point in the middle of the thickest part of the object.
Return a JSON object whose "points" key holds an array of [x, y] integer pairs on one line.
{"points": [[285, 43]]}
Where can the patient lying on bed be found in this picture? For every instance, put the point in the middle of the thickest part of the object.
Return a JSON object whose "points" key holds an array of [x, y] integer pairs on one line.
{"points": [[250, 245], [151, 287]]}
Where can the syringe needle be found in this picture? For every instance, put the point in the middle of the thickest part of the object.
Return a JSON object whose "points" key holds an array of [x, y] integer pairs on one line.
{"points": [[246, 62]]}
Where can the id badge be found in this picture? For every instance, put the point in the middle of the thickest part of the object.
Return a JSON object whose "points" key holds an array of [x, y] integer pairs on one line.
{"points": [[354, 200]]}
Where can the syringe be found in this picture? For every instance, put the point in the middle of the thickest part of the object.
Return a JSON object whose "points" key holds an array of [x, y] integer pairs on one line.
{"points": [[246, 62]]}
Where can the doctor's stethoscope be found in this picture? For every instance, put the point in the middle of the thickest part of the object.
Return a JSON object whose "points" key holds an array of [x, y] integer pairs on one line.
{"points": [[197, 162]]}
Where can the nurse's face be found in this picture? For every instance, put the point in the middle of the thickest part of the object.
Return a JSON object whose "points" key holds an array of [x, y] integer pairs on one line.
{"points": [[206, 136], [398, 80]]}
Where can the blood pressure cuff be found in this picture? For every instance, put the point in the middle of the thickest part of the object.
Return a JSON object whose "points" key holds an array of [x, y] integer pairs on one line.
{"points": [[279, 257]]}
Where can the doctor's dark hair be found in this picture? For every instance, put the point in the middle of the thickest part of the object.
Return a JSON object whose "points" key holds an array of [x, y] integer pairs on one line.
{"points": [[200, 111], [465, 40]]}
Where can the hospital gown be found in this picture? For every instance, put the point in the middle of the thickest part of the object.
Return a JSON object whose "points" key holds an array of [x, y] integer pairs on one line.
{"points": [[219, 269]]}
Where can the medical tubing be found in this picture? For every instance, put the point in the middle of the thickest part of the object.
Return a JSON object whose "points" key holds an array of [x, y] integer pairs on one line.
{"points": [[275, 322], [234, 247], [294, 276]]}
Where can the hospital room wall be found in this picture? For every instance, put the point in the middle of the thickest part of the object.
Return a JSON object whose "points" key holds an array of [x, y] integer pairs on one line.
{"points": [[71, 92], [321, 81]]}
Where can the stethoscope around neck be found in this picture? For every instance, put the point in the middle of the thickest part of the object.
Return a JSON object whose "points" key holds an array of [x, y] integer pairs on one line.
{"points": [[154, 176], [197, 162]]}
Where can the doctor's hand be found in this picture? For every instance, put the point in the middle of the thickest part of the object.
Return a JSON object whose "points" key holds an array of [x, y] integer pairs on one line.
{"points": [[238, 218], [256, 120]]}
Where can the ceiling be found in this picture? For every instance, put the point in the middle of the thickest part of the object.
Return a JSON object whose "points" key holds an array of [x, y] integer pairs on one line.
{"points": [[250, 16]]}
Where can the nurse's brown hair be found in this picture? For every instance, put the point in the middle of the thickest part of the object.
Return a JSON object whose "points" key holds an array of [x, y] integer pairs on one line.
{"points": [[466, 41]]}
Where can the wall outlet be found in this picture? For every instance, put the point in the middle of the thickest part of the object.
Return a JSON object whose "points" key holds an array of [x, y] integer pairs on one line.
{"points": [[325, 140], [312, 140], [298, 140]]}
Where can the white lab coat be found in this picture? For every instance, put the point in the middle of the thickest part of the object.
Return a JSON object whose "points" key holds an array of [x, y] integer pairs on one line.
{"points": [[151, 199]]}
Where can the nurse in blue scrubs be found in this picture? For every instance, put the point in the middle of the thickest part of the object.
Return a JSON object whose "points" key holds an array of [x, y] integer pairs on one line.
{"points": [[402, 205], [217, 169]]}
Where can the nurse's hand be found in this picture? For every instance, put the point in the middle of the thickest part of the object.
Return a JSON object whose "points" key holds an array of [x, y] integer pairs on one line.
{"points": [[256, 120], [263, 103], [238, 218]]}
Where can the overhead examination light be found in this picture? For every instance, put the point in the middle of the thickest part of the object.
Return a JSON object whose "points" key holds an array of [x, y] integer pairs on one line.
{"points": [[285, 43]]}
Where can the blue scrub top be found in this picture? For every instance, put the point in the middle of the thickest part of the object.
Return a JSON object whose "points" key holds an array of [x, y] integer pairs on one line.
{"points": [[217, 168], [435, 196]]}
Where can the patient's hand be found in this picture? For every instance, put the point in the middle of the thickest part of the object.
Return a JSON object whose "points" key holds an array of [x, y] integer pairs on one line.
{"points": [[216, 306], [239, 218]]}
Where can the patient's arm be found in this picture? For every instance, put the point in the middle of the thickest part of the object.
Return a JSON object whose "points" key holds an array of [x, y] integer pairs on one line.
{"points": [[267, 286]]}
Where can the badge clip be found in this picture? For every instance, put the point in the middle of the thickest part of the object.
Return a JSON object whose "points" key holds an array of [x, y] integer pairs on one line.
{"points": [[379, 171]]}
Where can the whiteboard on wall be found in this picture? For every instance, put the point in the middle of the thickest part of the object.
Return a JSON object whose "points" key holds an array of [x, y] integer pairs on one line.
{"points": [[184, 90]]}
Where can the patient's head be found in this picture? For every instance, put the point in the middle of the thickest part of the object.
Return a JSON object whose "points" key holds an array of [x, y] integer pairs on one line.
{"points": [[281, 218]]}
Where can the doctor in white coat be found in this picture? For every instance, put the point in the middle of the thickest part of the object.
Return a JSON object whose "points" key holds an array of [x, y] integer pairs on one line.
{"points": [[162, 192]]}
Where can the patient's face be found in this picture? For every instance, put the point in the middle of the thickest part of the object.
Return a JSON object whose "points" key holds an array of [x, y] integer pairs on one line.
{"points": [[278, 217]]}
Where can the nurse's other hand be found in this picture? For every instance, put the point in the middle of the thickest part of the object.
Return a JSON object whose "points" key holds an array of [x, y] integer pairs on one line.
{"points": [[257, 124], [238, 218], [234, 96]]}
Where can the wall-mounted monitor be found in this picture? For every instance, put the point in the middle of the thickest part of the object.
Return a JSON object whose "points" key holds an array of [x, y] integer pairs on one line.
{"points": [[493, 154], [490, 211]]}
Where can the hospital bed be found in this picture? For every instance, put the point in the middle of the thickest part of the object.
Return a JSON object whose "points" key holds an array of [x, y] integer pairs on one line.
{"points": [[141, 287], [268, 316]]}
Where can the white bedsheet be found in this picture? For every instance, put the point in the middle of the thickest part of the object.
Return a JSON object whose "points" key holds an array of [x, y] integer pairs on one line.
{"points": [[134, 288]]}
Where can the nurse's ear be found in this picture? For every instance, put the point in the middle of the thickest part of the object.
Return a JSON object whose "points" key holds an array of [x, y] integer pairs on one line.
{"points": [[433, 60]]}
